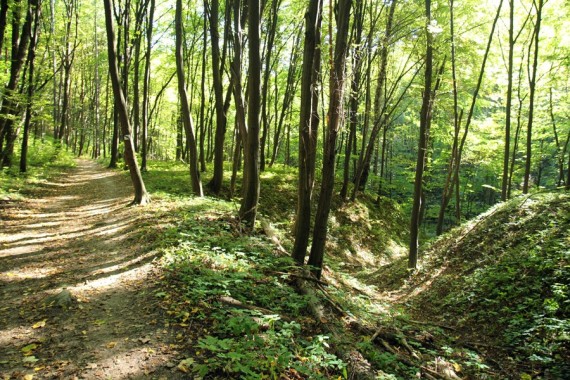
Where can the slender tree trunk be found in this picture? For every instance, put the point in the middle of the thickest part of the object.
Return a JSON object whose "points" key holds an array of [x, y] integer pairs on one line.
{"points": [[30, 92], [508, 110], [308, 127], [216, 182], [532, 89], [354, 95], [202, 157], [335, 114], [146, 87], [186, 115], [141, 196], [457, 151], [268, 49], [425, 119], [248, 209]]}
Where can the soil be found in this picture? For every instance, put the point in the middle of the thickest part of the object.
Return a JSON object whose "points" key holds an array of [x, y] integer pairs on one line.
{"points": [[79, 239]]}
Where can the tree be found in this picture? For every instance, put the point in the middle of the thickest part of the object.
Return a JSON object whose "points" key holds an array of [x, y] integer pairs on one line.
{"points": [[185, 109], [215, 183], [308, 127], [9, 108], [337, 78], [425, 120], [248, 209], [30, 91], [141, 195], [532, 88]]}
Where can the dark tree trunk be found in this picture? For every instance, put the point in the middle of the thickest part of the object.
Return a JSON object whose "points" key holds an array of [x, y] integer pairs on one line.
{"points": [[141, 196], [9, 106], [202, 157], [146, 87], [532, 90], [508, 110], [268, 49], [308, 127], [425, 119], [338, 75], [30, 92], [185, 108], [215, 183], [354, 95], [248, 209]]}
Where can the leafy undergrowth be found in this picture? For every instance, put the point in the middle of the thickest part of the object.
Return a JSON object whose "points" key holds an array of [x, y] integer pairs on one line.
{"points": [[489, 302], [236, 304], [500, 283], [231, 299], [45, 160]]}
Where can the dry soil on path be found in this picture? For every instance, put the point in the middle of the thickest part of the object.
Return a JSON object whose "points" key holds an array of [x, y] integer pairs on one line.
{"points": [[78, 234]]}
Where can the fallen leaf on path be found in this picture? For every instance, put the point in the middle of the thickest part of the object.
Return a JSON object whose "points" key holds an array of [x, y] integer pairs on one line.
{"points": [[185, 364], [144, 340], [30, 359], [28, 377], [29, 348], [111, 344], [39, 324]]}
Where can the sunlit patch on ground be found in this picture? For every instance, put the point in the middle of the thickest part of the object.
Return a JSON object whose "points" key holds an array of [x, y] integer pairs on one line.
{"points": [[79, 236]]}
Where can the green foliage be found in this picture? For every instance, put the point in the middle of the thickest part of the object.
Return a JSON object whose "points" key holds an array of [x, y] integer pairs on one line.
{"points": [[45, 160], [510, 273], [209, 261]]}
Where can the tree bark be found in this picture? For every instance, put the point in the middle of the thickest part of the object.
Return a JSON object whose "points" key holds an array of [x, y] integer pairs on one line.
{"points": [[185, 109], [248, 209], [215, 183], [30, 90], [335, 114], [308, 127], [425, 119], [532, 90], [9, 107], [141, 196]]}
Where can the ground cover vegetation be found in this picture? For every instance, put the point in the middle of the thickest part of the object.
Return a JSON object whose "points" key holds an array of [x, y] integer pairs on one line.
{"points": [[300, 153]]}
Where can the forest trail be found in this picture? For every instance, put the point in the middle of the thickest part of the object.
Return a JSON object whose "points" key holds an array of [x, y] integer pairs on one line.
{"points": [[80, 235]]}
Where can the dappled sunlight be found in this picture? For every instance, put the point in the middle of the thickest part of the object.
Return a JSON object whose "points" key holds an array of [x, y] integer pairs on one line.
{"points": [[81, 237], [27, 273]]}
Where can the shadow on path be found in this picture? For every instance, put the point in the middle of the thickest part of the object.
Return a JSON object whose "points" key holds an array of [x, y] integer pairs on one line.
{"points": [[79, 234]]}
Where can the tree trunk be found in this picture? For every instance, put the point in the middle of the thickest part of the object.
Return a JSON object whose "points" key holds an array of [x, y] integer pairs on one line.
{"points": [[338, 75], [141, 196], [532, 89], [308, 127], [9, 105], [248, 209], [354, 95], [146, 86], [425, 119], [508, 110], [185, 109], [30, 92], [215, 183]]}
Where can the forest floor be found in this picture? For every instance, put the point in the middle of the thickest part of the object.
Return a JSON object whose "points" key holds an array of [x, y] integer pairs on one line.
{"points": [[78, 234]]}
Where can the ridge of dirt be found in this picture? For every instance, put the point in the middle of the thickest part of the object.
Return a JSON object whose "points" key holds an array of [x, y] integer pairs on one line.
{"points": [[79, 235]]}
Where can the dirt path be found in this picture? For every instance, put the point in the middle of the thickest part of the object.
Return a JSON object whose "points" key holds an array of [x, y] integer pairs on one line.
{"points": [[80, 236]]}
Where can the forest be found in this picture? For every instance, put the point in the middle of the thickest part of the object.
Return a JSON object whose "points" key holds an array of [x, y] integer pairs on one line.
{"points": [[329, 188]]}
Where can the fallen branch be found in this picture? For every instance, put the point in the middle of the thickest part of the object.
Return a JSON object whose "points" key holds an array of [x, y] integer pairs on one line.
{"points": [[272, 235], [240, 305]]}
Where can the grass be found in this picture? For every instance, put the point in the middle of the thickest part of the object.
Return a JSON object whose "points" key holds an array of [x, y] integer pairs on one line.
{"points": [[45, 160]]}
